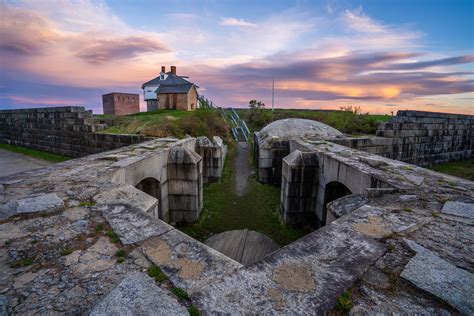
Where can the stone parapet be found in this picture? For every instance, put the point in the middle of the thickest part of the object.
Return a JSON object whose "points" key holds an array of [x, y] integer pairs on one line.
{"points": [[70, 131]]}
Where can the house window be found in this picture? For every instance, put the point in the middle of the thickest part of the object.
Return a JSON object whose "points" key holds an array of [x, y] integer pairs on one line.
{"points": [[162, 77]]}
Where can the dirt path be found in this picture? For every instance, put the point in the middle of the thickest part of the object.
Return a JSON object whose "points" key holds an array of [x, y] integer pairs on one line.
{"points": [[242, 168]]}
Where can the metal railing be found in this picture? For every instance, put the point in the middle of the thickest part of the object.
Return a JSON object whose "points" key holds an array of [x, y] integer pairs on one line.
{"points": [[240, 125]]}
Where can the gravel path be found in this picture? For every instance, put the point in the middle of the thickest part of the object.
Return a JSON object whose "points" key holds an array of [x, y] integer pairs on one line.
{"points": [[242, 168]]}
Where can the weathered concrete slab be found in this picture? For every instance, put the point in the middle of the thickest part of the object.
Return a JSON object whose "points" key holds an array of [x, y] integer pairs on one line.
{"points": [[129, 195], [458, 209], [132, 225], [186, 261], [431, 273], [138, 294], [377, 222], [42, 203], [345, 205], [244, 246], [304, 277]]}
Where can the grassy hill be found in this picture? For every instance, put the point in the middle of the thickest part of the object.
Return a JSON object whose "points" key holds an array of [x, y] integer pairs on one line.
{"points": [[208, 122], [163, 123], [345, 121]]}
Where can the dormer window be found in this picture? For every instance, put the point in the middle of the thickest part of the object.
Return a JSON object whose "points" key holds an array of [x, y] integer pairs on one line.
{"points": [[162, 77]]}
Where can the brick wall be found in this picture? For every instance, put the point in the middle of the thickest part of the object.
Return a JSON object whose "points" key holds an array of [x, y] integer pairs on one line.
{"points": [[421, 138], [120, 103], [70, 131]]}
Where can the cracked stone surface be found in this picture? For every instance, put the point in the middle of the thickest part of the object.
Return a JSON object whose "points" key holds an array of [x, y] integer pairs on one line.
{"points": [[42, 203], [138, 294], [132, 225], [429, 272], [459, 209]]}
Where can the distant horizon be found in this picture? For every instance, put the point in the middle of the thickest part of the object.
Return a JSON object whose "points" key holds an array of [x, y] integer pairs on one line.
{"points": [[381, 55]]}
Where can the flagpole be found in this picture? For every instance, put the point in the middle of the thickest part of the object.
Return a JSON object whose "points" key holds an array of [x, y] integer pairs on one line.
{"points": [[273, 93]]}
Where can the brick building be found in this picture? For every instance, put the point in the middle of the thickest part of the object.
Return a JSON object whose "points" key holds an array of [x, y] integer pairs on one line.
{"points": [[117, 103], [170, 91]]}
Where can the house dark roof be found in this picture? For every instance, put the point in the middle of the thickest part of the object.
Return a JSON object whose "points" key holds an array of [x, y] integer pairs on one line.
{"points": [[171, 79], [174, 88]]}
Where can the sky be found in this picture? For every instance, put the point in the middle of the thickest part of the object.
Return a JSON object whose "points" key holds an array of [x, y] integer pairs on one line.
{"points": [[381, 55]]}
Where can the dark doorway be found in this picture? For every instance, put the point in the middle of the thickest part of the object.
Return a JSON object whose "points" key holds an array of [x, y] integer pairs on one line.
{"points": [[334, 190], [152, 187]]}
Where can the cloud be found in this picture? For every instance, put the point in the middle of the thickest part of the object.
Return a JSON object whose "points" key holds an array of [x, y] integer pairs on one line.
{"points": [[336, 79], [236, 22], [83, 49], [24, 32], [98, 51], [357, 21], [437, 62]]}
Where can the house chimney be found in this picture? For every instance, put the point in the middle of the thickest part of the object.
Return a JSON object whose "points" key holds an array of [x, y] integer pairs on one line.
{"points": [[163, 69], [173, 70]]}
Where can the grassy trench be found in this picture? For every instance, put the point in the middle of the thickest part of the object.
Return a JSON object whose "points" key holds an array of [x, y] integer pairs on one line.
{"points": [[463, 169], [258, 209]]}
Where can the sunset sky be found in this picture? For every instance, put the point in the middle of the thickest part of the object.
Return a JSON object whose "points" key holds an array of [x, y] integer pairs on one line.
{"points": [[381, 55]]}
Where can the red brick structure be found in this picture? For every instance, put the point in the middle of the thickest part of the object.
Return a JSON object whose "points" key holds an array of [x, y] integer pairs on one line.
{"points": [[116, 103]]}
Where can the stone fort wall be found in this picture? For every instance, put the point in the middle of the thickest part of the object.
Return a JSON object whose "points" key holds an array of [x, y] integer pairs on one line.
{"points": [[71, 131], [421, 138]]}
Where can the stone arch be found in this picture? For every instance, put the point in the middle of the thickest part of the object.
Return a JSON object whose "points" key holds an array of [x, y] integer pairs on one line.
{"points": [[333, 191], [152, 187]]}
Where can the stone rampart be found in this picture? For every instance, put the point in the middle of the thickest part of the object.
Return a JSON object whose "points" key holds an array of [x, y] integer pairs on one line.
{"points": [[421, 138], [69, 131]]}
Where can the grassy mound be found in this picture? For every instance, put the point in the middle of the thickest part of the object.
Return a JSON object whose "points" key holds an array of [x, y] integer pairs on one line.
{"points": [[163, 123], [347, 122]]}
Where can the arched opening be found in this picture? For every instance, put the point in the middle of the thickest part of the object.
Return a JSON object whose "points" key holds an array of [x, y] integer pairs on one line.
{"points": [[333, 191], [152, 187]]}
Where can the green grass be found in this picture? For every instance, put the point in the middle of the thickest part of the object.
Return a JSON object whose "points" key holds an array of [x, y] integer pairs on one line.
{"points": [[344, 121], [344, 302], [66, 251], [86, 203], [163, 123], [114, 238], [258, 209], [463, 169], [156, 273], [120, 253], [100, 227], [194, 311], [35, 153], [23, 263], [180, 293]]}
